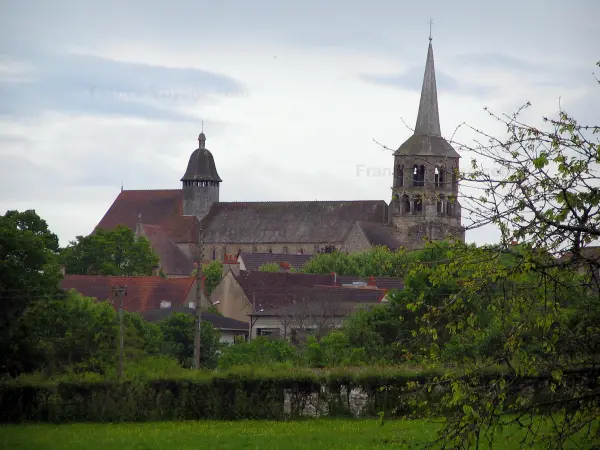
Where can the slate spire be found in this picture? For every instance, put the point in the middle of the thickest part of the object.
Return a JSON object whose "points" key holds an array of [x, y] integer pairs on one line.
{"points": [[428, 119]]}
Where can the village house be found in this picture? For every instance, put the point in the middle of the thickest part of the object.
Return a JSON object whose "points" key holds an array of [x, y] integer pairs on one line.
{"points": [[301, 311], [242, 293], [154, 297], [232, 331]]}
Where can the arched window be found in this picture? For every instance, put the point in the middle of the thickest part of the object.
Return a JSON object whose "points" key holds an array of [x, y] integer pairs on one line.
{"points": [[214, 254], [436, 177], [451, 205], [418, 202], [399, 175], [418, 175], [405, 204], [454, 178], [442, 176], [270, 250], [440, 205]]}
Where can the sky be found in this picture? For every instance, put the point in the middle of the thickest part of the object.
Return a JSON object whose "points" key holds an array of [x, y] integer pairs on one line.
{"points": [[294, 97]]}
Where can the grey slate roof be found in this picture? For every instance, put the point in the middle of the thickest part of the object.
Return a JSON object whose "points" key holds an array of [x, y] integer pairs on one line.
{"points": [[377, 234], [216, 320], [428, 118], [421, 145], [253, 261], [201, 166], [386, 283], [288, 222], [427, 139]]}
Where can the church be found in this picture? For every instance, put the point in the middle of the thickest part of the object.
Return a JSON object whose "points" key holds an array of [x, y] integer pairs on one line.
{"points": [[424, 206]]}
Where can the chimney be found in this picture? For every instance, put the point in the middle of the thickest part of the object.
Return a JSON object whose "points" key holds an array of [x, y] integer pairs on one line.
{"points": [[372, 283], [230, 262], [63, 270], [156, 271]]}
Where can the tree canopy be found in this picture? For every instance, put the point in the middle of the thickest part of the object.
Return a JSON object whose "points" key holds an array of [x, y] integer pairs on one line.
{"points": [[110, 252]]}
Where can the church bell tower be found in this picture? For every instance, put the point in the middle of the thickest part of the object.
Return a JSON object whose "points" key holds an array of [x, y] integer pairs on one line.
{"points": [[200, 182], [425, 187]]}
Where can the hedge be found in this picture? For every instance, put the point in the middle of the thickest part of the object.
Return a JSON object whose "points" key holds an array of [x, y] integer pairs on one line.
{"points": [[249, 394]]}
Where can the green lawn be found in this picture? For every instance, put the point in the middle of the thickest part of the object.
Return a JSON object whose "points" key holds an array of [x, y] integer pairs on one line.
{"points": [[319, 434]]}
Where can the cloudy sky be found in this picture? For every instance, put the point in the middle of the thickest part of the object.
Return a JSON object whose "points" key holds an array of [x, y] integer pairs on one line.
{"points": [[292, 94]]}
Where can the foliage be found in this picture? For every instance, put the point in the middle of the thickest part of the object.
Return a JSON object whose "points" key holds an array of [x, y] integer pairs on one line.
{"points": [[259, 351], [521, 306], [110, 252], [269, 267], [379, 261], [178, 340], [29, 273], [213, 273]]}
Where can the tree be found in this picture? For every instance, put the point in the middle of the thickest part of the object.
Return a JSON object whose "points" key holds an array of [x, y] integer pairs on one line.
{"points": [[178, 335], [110, 252], [527, 309], [269, 267], [29, 272], [213, 273], [379, 262]]}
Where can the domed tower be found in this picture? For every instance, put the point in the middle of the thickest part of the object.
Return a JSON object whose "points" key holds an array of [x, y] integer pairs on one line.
{"points": [[425, 189], [200, 182]]}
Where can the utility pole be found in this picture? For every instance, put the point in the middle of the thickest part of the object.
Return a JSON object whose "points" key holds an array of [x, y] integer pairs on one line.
{"points": [[199, 301], [120, 291]]}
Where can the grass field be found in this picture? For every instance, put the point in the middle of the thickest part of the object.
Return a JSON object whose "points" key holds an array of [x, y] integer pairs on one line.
{"points": [[319, 434]]}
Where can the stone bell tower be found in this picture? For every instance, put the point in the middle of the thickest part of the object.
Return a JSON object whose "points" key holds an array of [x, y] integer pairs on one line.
{"points": [[425, 188], [200, 182]]}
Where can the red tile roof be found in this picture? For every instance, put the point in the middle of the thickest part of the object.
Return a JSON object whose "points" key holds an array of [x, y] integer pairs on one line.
{"points": [[143, 293], [157, 207], [174, 261]]}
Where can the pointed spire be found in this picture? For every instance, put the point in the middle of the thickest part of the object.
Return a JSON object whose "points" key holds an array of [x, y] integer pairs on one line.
{"points": [[428, 119]]}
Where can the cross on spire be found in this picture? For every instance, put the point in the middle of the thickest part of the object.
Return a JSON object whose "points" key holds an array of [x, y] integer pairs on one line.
{"points": [[430, 24], [202, 130]]}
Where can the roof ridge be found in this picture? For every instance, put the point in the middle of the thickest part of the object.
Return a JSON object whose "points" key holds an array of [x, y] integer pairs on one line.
{"points": [[303, 201], [144, 190]]}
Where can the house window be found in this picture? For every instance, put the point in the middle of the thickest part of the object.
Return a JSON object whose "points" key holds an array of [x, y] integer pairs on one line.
{"points": [[254, 249], [419, 175], [192, 305], [270, 250], [164, 304], [285, 249]]}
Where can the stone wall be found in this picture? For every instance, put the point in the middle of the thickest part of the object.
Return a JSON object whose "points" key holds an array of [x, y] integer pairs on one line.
{"points": [[356, 241]]}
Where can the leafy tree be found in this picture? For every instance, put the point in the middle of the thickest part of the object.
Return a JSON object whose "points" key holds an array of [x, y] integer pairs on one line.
{"points": [[29, 272], [74, 332], [259, 351], [528, 310], [213, 273], [178, 335], [379, 261], [269, 267], [110, 252]]}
